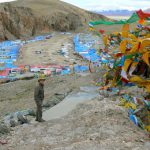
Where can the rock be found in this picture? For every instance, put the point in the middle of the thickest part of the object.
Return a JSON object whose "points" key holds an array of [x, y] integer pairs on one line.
{"points": [[54, 100], [60, 96], [100, 98], [104, 93], [68, 91], [54, 103], [136, 148], [13, 123], [22, 119], [147, 145], [4, 129], [47, 104], [17, 118], [33, 141], [129, 144], [31, 112], [10, 120], [7, 120], [25, 125], [22, 142]]}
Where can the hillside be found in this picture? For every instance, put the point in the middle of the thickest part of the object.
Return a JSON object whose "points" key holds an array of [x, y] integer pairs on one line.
{"points": [[25, 18]]}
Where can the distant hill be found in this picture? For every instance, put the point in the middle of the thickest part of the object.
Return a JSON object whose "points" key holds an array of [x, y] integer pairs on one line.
{"points": [[115, 12], [147, 10], [118, 12], [25, 18]]}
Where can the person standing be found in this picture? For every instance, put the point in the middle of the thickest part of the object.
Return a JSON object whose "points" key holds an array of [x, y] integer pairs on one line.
{"points": [[39, 97]]}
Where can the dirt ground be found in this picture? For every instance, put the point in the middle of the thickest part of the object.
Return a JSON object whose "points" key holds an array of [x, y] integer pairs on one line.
{"points": [[98, 124], [18, 95], [47, 51]]}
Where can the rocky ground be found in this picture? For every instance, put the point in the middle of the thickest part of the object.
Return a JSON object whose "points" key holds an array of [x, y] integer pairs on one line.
{"points": [[98, 124]]}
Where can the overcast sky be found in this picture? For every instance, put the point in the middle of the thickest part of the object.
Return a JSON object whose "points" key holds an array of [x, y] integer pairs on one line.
{"points": [[6, 1], [107, 4], [111, 4]]}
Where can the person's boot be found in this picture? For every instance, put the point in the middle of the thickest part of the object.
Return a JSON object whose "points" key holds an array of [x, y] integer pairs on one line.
{"points": [[41, 120]]}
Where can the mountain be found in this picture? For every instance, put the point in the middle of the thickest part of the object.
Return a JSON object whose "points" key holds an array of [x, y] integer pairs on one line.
{"points": [[118, 12], [25, 18], [115, 12], [147, 10]]}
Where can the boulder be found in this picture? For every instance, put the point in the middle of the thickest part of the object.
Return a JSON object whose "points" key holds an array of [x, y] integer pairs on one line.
{"points": [[4, 129], [21, 118]]}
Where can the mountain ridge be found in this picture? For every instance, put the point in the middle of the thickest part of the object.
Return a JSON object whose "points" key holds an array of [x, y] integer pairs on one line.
{"points": [[118, 12], [23, 19]]}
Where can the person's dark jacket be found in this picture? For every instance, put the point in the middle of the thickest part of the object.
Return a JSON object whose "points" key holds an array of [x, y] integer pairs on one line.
{"points": [[39, 93]]}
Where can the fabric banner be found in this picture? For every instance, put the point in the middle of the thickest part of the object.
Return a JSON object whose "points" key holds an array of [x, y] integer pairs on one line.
{"points": [[145, 57], [125, 30], [136, 16], [123, 46], [142, 15], [132, 19], [127, 64], [132, 68]]}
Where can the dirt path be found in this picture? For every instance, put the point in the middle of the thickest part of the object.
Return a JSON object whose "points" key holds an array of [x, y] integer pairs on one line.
{"points": [[47, 51], [70, 102]]}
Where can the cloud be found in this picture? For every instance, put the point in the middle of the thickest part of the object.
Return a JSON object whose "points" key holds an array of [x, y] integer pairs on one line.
{"points": [[114, 4], [2, 1], [107, 4]]}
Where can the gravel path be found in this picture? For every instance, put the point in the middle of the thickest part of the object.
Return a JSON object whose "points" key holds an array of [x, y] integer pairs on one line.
{"points": [[70, 102]]}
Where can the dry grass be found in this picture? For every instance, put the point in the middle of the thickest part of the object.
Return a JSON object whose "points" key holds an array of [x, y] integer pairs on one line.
{"points": [[114, 28]]}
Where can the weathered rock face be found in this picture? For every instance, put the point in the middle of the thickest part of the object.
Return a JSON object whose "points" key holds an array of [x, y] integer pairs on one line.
{"points": [[14, 22], [18, 20]]}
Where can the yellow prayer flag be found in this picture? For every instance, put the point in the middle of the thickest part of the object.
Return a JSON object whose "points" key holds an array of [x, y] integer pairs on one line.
{"points": [[135, 79], [127, 64], [123, 46], [125, 31], [105, 40], [147, 128], [133, 37], [145, 57], [147, 87], [144, 43], [147, 36], [134, 48], [105, 74]]}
